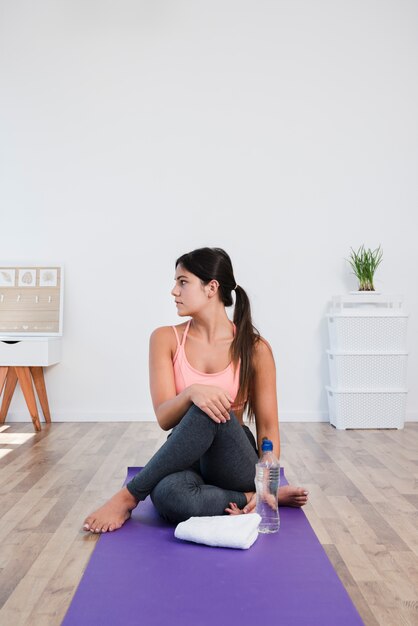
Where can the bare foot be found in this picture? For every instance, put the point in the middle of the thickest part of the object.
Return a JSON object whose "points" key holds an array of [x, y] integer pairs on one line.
{"points": [[249, 508], [288, 496], [292, 496], [113, 514]]}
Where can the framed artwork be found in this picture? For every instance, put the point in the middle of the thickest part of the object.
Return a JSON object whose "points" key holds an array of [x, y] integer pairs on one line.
{"points": [[31, 301], [48, 277], [27, 278], [7, 277]]}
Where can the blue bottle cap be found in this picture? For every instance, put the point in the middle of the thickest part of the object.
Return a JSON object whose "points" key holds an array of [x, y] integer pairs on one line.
{"points": [[267, 445]]}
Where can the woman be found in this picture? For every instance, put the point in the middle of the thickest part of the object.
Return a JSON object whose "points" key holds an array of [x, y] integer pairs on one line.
{"points": [[204, 374]]}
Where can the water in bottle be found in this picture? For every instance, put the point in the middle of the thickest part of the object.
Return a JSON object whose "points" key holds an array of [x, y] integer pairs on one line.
{"points": [[267, 480]]}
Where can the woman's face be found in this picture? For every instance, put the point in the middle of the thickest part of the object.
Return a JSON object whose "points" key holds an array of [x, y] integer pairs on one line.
{"points": [[190, 294]]}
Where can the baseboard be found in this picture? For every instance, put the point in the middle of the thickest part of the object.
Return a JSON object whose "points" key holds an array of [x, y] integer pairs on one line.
{"points": [[86, 416], [147, 416]]}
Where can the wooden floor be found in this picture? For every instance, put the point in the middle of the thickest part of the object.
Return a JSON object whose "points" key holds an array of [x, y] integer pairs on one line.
{"points": [[363, 507]]}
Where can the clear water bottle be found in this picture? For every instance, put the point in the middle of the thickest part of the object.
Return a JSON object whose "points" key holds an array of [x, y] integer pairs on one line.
{"points": [[267, 481]]}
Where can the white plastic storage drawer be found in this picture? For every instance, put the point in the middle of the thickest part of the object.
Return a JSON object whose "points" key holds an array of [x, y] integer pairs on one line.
{"points": [[34, 351], [361, 333], [365, 371], [367, 409]]}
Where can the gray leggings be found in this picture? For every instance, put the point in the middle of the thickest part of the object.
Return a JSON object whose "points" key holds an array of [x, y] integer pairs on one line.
{"points": [[200, 469]]}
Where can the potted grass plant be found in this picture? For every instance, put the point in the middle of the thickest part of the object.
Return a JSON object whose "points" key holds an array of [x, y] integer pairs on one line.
{"points": [[365, 263]]}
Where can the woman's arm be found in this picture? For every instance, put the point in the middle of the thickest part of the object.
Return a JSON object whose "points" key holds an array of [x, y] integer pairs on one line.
{"points": [[265, 396], [169, 408]]}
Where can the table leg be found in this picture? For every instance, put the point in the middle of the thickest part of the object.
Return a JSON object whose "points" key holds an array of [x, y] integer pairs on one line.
{"points": [[39, 380], [3, 374], [11, 382], [25, 380]]}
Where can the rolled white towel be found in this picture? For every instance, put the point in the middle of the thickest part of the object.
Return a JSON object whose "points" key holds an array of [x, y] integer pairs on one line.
{"points": [[226, 531]]}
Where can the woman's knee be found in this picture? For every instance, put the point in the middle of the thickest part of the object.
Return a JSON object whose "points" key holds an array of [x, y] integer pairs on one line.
{"points": [[197, 421], [195, 413]]}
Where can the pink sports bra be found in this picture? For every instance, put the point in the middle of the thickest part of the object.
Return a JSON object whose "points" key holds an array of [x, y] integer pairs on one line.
{"points": [[186, 375]]}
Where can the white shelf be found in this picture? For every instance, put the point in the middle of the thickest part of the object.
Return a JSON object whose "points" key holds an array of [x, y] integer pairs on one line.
{"points": [[368, 333], [367, 300], [365, 353], [377, 408], [367, 313], [367, 370], [367, 361]]}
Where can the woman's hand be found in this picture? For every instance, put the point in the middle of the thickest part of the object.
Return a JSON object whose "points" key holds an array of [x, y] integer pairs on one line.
{"points": [[249, 507], [214, 401]]}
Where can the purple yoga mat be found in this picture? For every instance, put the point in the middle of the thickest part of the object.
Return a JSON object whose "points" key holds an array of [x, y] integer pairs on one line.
{"points": [[141, 575]]}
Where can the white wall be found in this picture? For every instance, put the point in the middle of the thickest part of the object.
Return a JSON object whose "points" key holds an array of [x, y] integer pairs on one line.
{"points": [[132, 132]]}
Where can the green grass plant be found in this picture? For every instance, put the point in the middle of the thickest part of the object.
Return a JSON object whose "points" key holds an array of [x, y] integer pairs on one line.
{"points": [[364, 263]]}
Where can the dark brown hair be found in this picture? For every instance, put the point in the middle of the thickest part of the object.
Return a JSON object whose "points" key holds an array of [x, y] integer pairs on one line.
{"points": [[215, 264]]}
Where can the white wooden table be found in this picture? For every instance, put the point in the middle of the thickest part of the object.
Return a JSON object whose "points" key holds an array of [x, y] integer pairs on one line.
{"points": [[23, 360]]}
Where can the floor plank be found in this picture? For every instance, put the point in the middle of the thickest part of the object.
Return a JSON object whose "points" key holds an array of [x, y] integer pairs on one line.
{"points": [[362, 505]]}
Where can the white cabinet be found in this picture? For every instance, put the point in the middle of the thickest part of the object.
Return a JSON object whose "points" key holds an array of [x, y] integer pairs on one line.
{"points": [[367, 361], [30, 351], [23, 360], [31, 309]]}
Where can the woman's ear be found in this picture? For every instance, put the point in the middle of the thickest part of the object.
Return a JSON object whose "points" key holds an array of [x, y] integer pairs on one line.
{"points": [[213, 287]]}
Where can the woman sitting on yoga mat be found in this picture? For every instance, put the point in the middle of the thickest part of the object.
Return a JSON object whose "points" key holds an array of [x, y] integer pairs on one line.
{"points": [[204, 373]]}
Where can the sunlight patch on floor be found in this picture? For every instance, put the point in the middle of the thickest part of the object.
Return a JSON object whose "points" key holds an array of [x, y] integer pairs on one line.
{"points": [[15, 438]]}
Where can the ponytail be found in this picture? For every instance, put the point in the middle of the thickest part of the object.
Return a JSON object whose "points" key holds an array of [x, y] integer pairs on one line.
{"points": [[242, 350]]}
